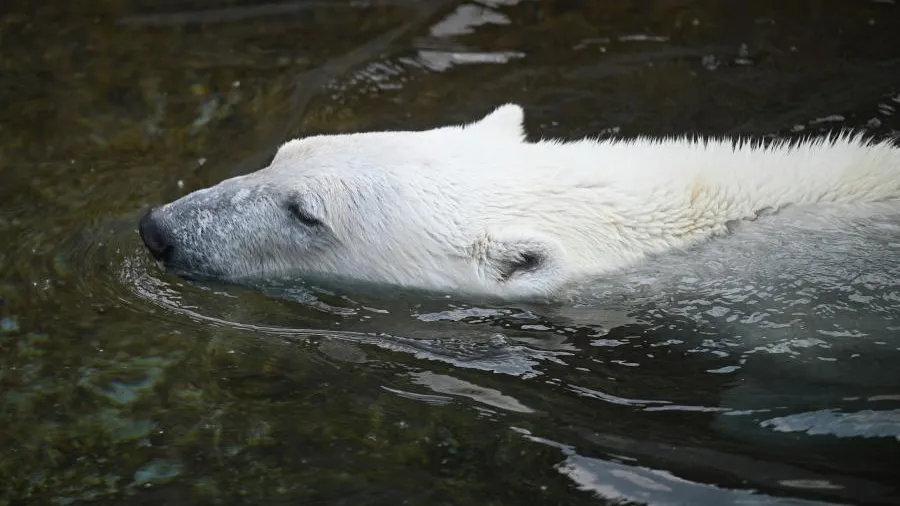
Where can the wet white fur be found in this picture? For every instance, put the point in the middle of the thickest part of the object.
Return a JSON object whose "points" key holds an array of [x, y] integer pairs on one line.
{"points": [[452, 209]]}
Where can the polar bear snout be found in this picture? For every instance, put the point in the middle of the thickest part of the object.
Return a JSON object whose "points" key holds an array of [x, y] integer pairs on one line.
{"points": [[157, 239], [236, 230]]}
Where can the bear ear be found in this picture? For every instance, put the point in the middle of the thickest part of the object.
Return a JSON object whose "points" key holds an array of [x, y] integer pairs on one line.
{"points": [[522, 263], [506, 120]]}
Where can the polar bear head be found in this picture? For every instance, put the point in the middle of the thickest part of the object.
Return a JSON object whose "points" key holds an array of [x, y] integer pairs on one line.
{"points": [[450, 209]]}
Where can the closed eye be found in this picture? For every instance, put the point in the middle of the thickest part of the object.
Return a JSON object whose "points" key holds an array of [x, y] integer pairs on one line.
{"points": [[303, 216]]}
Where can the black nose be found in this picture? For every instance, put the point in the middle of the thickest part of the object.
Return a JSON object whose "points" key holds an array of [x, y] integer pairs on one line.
{"points": [[155, 238]]}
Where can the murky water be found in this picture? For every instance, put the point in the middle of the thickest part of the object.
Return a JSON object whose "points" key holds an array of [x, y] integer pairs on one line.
{"points": [[764, 375]]}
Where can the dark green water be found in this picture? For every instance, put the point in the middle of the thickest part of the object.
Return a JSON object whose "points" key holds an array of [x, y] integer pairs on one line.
{"points": [[122, 384]]}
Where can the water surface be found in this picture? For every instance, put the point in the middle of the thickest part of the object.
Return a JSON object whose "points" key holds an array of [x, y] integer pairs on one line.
{"points": [[761, 372]]}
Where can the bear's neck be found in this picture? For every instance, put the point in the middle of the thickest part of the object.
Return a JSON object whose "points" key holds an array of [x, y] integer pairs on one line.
{"points": [[646, 196]]}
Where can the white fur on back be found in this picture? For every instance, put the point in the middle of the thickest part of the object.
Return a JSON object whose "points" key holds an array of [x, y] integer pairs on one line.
{"points": [[617, 201]]}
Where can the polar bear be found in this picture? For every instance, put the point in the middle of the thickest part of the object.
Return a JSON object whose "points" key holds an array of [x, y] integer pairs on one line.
{"points": [[477, 209]]}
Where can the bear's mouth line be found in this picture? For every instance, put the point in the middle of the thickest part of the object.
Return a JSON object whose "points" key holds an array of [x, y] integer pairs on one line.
{"points": [[187, 272], [160, 256]]}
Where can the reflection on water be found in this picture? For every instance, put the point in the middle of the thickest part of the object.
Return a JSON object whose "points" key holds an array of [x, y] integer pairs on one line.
{"points": [[760, 369]]}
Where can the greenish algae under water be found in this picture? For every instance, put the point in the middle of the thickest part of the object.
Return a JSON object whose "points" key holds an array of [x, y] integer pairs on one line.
{"points": [[121, 384]]}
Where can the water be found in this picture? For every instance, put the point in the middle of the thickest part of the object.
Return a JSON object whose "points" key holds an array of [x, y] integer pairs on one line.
{"points": [[759, 371]]}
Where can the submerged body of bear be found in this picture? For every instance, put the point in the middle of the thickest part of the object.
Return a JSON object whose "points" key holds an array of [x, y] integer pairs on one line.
{"points": [[477, 209]]}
